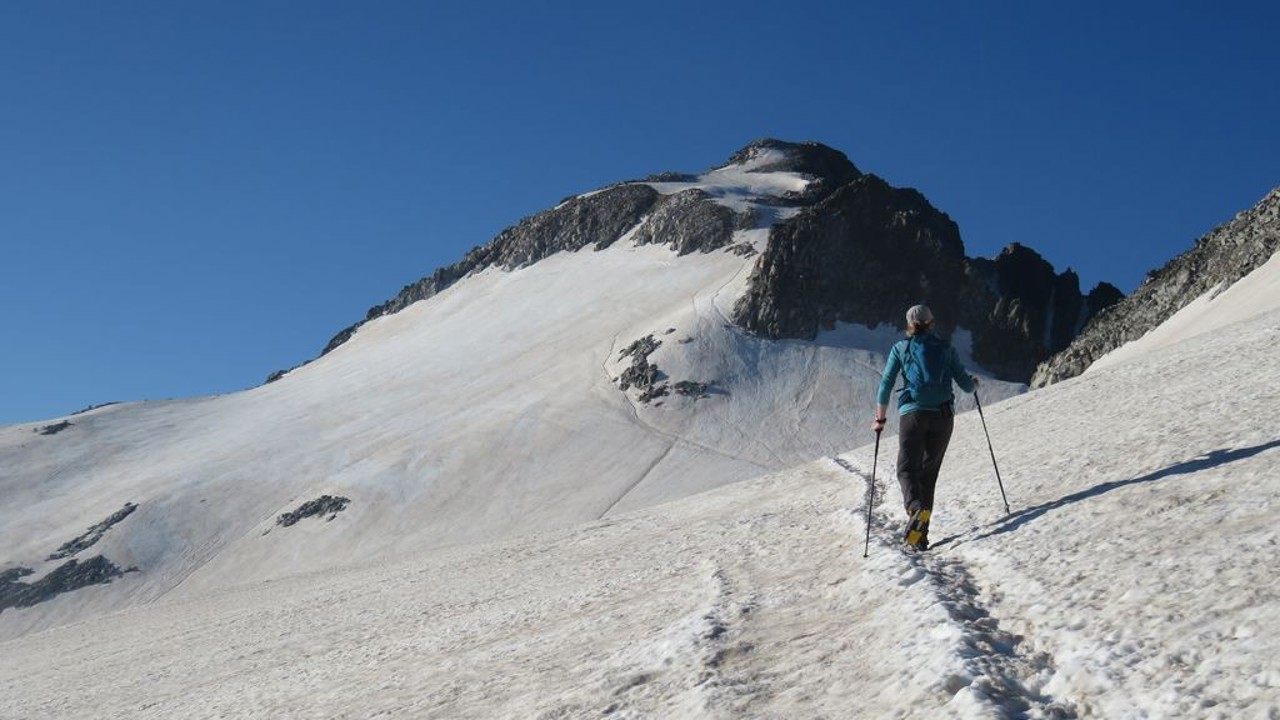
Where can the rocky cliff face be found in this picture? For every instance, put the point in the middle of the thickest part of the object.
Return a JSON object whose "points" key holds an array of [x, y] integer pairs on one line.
{"points": [[1021, 311], [869, 251], [862, 255], [689, 221], [1216, 261], [843, 247]]}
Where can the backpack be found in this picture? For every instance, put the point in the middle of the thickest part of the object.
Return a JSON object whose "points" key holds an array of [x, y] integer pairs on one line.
{"points": [[926, 372]]}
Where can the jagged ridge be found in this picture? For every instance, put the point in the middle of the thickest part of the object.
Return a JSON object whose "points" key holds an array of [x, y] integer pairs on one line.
{"points": [[869, 250], [1217, 260], [1022, 311]]}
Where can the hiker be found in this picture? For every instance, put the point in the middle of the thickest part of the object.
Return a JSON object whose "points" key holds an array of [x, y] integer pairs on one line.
{"points": [[926, 414]]}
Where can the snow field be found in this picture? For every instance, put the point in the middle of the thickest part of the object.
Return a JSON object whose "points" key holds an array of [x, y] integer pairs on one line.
{"points": [[472, 414], [1134, 578], [486, 411], [478, 575], [1140, 556], [705, 609]]}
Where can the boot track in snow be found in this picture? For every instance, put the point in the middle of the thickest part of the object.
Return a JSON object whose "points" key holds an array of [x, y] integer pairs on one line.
{"points": [[994, 666]]}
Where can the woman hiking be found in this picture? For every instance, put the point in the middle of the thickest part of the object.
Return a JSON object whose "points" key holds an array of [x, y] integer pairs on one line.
{"points": [[926, 414]]}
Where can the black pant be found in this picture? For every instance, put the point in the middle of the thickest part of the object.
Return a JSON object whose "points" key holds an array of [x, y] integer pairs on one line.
{"points": [[922, 441]]}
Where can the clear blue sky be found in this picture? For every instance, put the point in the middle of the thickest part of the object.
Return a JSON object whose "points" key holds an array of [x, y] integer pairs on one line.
{"points": [[194, 194]]}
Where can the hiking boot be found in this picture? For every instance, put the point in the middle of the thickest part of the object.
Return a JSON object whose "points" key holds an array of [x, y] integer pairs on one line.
{"points": [[917, 535]]}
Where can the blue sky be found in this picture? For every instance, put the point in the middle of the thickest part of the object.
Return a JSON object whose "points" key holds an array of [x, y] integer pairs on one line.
{"points": [[195, 194]]}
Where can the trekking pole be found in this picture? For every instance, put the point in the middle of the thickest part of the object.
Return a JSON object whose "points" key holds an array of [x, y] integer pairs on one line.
{"points": [[992, 451], [871, 496]]}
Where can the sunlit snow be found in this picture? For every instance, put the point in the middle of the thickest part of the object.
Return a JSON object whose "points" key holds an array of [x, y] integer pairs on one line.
{"points": [[526, 540]]}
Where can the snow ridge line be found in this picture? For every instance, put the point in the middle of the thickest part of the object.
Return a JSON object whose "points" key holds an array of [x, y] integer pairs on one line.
{"points": [[994, 669]]}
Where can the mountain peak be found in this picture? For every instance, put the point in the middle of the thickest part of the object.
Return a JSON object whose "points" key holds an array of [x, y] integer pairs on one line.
{"points": [[807, 158], [837, 245]]}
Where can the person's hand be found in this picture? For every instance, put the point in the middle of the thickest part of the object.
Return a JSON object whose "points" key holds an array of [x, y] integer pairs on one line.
{"points": [[877, 424], [976, 382]]}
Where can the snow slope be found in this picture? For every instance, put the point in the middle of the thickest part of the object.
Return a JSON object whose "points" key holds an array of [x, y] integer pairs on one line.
{"points": [[1135, 577], [483, 412]]}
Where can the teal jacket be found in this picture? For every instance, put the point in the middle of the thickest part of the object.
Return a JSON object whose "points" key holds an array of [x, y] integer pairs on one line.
{"points": [[894, 366]]}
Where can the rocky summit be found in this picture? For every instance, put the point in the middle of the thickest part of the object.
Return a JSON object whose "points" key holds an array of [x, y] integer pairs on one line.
{"points": [[869, 250], [843, 247], [1216, 262]]}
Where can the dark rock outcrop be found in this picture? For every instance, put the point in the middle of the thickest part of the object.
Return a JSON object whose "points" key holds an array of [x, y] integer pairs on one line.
{"points": [[689, 388], [1217, 260], [55, 428], [281, 373], [689, 221], [640, 374], [71, 575], [653, 392], [94, 534], [1101, 297], [862, 255], [641, 348], [1021, 311], [324, 505], [670, 177], [95, 407], [648, 379]]}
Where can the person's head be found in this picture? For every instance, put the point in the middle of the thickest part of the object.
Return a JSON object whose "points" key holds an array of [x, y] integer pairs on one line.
{"points": [[919, 319]]}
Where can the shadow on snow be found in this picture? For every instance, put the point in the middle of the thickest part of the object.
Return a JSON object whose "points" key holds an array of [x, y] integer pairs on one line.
{"points": [[1201, 462]]}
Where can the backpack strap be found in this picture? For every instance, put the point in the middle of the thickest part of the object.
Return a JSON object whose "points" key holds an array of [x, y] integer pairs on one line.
{"points": [[907, 357], [903, 349]]}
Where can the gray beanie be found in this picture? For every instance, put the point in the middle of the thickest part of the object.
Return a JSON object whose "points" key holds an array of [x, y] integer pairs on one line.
{"points": [[919, 315]]}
